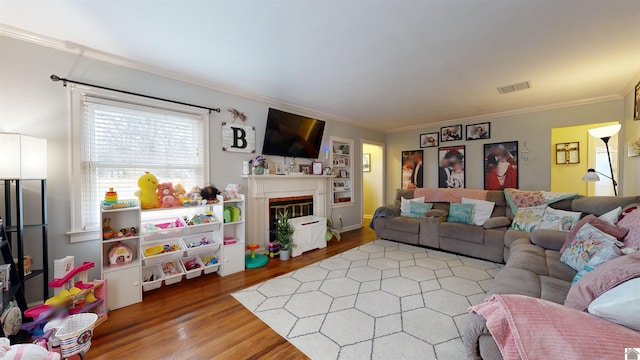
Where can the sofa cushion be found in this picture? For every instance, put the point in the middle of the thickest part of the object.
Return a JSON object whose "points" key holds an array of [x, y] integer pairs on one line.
{"points": [[612, 216], [548, 239], [404, 205], [482, 210], [599, 205], [405, 224], [461, 213], [464, 232], [497, 222], [620, 305], [512, 235], [418, 209]]}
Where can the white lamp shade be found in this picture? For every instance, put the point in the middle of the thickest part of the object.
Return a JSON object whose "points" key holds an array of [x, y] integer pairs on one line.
{"points": [[23, 157], [605, 131], [591, 176]]}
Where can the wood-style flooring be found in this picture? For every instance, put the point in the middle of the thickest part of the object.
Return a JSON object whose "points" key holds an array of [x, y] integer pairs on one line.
{"points": [[198, 318]]}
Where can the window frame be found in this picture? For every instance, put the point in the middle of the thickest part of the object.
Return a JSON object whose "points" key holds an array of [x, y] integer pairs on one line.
{"points": [[76, 97]]}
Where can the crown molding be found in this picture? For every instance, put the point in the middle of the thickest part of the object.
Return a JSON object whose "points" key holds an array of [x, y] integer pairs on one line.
{"points": [[80, 50], [533, 109]]}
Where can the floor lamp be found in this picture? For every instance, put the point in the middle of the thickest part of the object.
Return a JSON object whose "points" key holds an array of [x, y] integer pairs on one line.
{"points": [[603, 133]]}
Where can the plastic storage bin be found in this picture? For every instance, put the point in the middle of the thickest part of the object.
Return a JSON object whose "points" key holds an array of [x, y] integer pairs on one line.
{"points": [[159, 229], [152, 276], [209, 267], [162, 249], [193, 227], [193, 266], [199, 243], [173, 271]]}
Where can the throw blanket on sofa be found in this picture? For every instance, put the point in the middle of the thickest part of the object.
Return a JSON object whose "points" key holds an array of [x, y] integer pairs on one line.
{"points": [[382, 212], [449, 195], [530, 328], [523, 198]]}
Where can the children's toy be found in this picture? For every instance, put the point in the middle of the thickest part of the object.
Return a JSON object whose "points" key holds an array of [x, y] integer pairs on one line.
{"points": [[273, 249], [229, 240], [232, 191], [25, 351], [210, 194], [148, 185], [191, 264], [209, 260], [181, 193], [166, 196], [231, 214], [254, 261], [169, 268], [110, 197], [194, 196], [107, 231], [120, 254]]}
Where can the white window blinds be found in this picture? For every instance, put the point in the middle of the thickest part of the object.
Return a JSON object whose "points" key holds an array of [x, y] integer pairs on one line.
{"points": [[120, 141]]}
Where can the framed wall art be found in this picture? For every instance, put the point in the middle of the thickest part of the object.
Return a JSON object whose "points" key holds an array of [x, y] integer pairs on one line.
{"points": [[411, 175], [451, 133], [636, 103], [429, 140], [478, 131], [451, 167], [306, 169], [501, 165], [317, 168], [366, 162], [568, 153]]}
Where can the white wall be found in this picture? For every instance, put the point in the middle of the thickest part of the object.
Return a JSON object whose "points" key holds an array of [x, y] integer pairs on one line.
{"points": [[630, 183], [373, 181], [30, 103], [534, 128]]}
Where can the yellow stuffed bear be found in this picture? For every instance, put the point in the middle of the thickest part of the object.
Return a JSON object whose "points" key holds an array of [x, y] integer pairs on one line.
{"points": [[148, 185]]}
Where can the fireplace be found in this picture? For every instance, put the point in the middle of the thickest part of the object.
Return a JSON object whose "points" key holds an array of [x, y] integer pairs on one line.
{"points": [[294, 206]]}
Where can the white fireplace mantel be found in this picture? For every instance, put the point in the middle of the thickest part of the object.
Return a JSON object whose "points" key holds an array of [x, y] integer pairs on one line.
{"points": [[261, 188]]}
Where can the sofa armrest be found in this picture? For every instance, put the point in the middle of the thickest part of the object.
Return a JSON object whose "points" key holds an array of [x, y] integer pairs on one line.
{"points": [[549, 239], [387, 211], [497, 222], [476, 328]]}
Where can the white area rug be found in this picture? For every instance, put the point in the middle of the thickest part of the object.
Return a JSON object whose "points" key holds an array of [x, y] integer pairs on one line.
{"points": [[382, 300]]}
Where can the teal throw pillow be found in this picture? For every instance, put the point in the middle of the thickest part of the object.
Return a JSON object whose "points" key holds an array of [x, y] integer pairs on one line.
{"points": [[418, 209], [461, 213]]}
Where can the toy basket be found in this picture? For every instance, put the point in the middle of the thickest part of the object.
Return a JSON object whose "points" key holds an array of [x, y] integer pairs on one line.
{"points": [[75, 335]]}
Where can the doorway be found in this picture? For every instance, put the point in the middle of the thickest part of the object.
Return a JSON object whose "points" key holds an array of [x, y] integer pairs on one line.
{"points": [[372, 178]]}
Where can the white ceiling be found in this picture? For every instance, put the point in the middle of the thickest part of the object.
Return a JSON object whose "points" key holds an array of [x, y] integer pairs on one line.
{"points": [[388, 64]]}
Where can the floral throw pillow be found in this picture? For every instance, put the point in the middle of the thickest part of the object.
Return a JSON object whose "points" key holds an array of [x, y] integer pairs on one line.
{"points": [[559, 219], [588, 242], [528, 219]]}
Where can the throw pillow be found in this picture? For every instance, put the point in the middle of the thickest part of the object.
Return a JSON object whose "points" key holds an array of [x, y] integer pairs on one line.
{"points": [[527, 219], [418, 210], [612, 216], [528, 328], [404, 205], [620, 305], [598, 259], [588, 242], [461, 213], [607, 276], [482, 210], [615, 231], [559, 219], [630, 219], [518, 199]]}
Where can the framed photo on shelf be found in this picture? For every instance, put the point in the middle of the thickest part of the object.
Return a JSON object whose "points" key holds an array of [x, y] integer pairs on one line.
{"points": [[451, 167], [478, 131], [411, 169], [501, 165], [317, 168], [451, 133], [344, 174], [366, 162], [429, 140], [305, 169]]}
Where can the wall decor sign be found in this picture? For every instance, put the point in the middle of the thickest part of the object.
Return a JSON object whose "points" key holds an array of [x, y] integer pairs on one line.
{"points": [[451, 133], [568, 153], [411, 175], [238, 138], [501, 165], [429, 140], [451, 167], [478, 131], [366, 162]]}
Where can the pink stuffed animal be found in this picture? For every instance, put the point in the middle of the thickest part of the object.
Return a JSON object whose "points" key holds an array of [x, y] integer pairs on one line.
{"points": [[25, 352], [232, 191], [166, 196]]}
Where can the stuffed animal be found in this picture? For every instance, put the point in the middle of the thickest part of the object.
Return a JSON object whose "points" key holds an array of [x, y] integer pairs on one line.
{"points": [[195, 195], [180, 192], [25, 351], [166, 196], [232, 191], [210, 194], [148, 185]]}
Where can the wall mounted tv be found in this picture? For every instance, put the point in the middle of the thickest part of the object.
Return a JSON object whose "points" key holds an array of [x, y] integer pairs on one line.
{"points": [[292, 135]]}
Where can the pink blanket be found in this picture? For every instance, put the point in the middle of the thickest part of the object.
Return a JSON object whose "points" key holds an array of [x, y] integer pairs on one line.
{"points": [[449, 195], [530, 328]]}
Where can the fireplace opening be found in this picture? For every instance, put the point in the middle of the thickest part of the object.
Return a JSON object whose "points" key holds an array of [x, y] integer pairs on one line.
{"points": [[295, 206]]}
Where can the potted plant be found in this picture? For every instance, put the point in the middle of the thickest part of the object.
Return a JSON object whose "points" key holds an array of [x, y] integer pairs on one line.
{"points": [[331, 233], [283, 232]]}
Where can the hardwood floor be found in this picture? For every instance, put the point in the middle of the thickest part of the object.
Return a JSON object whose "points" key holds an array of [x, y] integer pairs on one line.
{"points": [[198, 318]]}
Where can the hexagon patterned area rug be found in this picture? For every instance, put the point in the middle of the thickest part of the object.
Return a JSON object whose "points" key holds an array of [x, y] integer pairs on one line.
{"points": [[382, 300]]}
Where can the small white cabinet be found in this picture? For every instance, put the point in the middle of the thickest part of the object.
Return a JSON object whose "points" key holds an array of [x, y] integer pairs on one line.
{"points": [[123, 287], [233, 254]]}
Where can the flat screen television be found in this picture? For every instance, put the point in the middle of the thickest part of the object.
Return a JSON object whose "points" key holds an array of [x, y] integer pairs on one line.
{"points": [[292, 135]]}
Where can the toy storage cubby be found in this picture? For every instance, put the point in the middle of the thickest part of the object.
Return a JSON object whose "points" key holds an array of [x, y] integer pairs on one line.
{"points": [[234, 229], [121, 266]]}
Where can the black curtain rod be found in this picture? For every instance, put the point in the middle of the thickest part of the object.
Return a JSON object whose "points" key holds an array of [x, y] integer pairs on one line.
{"points": [[55, 78]]}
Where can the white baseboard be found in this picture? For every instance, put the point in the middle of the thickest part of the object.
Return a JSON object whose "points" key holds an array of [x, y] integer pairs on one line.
{"points": [[367, 216], [348, 228]]}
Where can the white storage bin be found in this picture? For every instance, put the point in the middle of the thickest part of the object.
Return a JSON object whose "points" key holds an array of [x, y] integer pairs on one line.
{"points": [[173, 271], [157, 250], [202, 227], [208, 267], [193, 262], [152, 276], [159, 229], [201, 243]]}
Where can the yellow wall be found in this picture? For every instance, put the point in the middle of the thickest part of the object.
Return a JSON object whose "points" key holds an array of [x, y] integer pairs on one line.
{"points": [[372, 182], [568, 177]]}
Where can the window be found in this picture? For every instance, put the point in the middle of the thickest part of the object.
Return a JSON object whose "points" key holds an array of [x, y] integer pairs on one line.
{"points": [[116, 141]]}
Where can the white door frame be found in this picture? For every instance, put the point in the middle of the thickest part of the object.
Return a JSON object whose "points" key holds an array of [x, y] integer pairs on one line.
{"points": [[384, 164]]}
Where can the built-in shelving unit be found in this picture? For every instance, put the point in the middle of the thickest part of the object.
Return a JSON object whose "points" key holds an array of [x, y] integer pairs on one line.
{"points": [[233, 254], [342, 164]]}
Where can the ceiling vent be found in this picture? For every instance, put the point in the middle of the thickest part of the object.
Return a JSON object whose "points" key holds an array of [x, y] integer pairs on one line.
{"points": [[514, 87]]}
